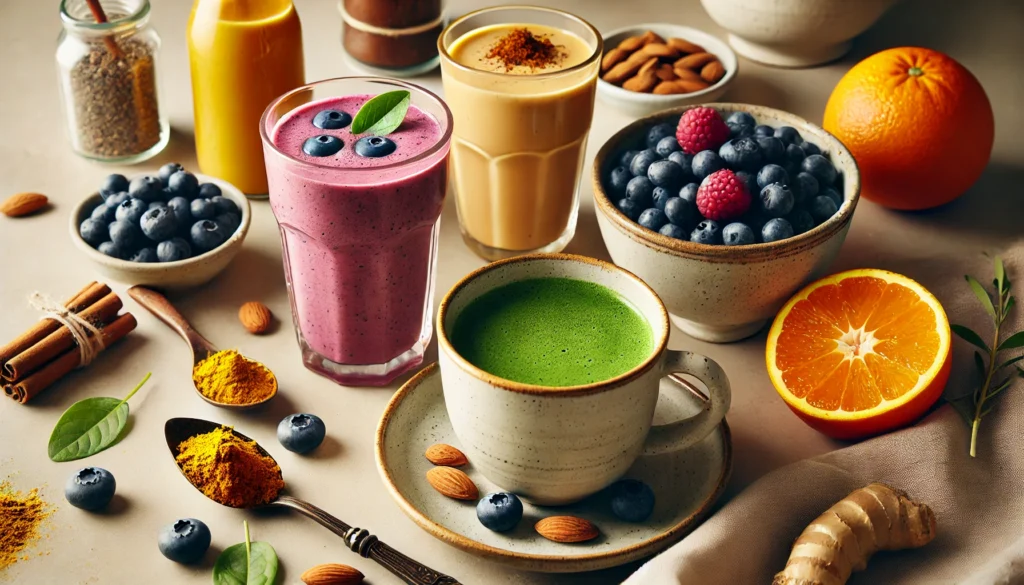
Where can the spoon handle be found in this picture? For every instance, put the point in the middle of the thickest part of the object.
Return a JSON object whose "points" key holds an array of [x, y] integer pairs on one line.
{"points": [[367, 545], [162, 308]]}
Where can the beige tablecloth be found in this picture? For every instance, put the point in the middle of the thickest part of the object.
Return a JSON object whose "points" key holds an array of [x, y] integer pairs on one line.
{"points": [[979, 503]]}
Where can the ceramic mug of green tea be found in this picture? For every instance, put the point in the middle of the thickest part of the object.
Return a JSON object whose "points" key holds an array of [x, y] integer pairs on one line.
{"points": [[551, 366]]}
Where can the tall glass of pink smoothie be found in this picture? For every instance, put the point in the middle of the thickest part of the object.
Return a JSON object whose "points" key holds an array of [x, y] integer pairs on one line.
{"points": [[358, 224]]}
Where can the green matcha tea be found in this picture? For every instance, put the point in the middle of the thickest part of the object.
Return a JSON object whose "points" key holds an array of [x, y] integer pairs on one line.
{"points": [[552, 332]]}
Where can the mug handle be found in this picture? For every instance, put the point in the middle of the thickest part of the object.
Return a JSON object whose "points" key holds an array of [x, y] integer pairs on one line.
{"points": [[681, 434]]}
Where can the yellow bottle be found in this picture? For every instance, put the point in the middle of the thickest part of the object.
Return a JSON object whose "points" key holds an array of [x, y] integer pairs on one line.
{"points": [[243, 54]]}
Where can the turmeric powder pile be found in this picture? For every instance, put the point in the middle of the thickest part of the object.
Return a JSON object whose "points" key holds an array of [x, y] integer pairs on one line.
{"points": [[229, 377], [20, 517], [229, 469]]}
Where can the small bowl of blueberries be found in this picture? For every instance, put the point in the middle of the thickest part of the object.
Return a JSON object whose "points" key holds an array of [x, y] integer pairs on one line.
{"points": [[171, 230], [726, 210]]}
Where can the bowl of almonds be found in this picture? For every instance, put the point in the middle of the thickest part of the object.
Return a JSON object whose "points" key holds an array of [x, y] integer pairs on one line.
{"points": [[650, 67]]}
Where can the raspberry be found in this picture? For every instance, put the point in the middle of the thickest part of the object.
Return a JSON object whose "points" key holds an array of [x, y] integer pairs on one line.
{"points": [[701, 129], [723, 196]]}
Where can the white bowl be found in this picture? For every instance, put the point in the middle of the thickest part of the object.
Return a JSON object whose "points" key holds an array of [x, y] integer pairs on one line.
{"points": [[642, 104], [794, 33], [181, 274]]}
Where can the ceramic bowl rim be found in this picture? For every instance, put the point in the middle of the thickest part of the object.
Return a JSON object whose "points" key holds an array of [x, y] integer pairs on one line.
{"points": [[735, 254], [531, 561]]}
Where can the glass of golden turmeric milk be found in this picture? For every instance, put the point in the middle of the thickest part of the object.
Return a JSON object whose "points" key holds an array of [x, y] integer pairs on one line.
{"points": [[520, 82]]}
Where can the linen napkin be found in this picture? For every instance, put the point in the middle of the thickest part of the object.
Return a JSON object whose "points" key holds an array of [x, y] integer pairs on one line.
{"points": [[978, 503]]}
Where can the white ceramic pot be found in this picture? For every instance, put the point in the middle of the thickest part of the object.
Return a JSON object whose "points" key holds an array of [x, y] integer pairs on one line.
{"points": [[794, 33], [723, 293], [557, 445]]}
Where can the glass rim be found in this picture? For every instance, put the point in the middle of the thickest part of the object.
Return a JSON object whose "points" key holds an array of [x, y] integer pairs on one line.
{"points": [[412, 87], [111, 25], [598, 50]]}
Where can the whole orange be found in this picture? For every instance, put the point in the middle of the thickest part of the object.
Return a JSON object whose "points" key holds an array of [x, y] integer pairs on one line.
{"points": [[918, 124]]}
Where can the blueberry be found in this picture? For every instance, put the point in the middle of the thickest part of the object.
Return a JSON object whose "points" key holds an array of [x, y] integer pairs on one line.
{"points": [[652, 219], [661, 196], [146, 188], [173, 250], [230, 221], [631, 500], [823, 207], [821, 168], [322, 145], [185, 541], [112, 250], [617, 181], [124, 234], [727, 151], [749, 180], [631, 208], [810, 148], [755, 219], [794, 154], [331, 120], [667, 146], [104, 213], [90, 488], [738, 234], [301, 433], [706, 162], [93, 231], [777, 200], [771, 174], [740, 119], [656, 133], [627, 157], [707, 232], [209, 190], [642, 161], [667, 174], [202, 209], [181, 209], [788, 135], [772, 148], [682, 159], [801, 220], [641, 190], [745, 155], [207, 235], [374, 146], [113, 184], [159, 224], [165, 172], [499, 511], [144, 255], [776, 229], [689, 193], [156, 204], [131, 210], [682, 212], [804, 187], [116, 199], [224, 205], [833, 195], [673, 231], [183, 184], [737, 132], [762, 130]]}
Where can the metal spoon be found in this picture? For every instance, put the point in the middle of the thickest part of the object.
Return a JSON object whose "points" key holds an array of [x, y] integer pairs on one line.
{"points": [[359, 540], [158, 304]]}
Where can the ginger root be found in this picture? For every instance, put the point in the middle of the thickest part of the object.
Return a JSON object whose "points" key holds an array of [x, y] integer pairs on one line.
{"points": [[840, 541]]}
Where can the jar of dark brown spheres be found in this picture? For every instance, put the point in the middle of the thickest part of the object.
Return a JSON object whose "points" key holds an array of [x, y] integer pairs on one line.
{"points": [[108, 81], [392, 37]]}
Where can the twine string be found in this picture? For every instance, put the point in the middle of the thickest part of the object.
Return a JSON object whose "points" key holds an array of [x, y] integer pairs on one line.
{"points": [[87, 336]]}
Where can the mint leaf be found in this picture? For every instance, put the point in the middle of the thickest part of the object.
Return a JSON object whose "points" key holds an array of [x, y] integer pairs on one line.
{"points": [[89, 426], [246, 563], [383, 114]]}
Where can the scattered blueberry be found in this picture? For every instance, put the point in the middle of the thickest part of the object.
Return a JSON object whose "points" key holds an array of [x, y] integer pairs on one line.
{"points": [[833, 195], [94, 231], [230, 221], [788, 135], [776, 229], [706, 162], [810, 148], [762, 130], [745, 154], [641, 190], [656, 133], [374, 146], [617, 181], [90, 488], [689, 193], [642, 161], [331, 120], [209, 190], [823, 207], [682, 212], [124, 234], [667, 146], [804, 187], [661, 196], [181, 208], [627, 158], [173, 250], [631, 208], [777, 200], [322, 145], [207, 235], [652, 219], [632, 500], [104, 213], [131, 210], [667, 174], [159, 224], [499, 511], [113, 184], [165, 172], [202, 209], [801, 220], [116, 199], [738, 234], [183, 184], [707, 232], [771, 174], [146, 188], [682, 159], [147, 254], [673, 231], [772, 148], [821, 168], [301, 433], [185, 541]]}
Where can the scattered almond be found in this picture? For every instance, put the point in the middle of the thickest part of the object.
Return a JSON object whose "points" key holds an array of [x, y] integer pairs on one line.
{"points": [[441, 454], [255, 316], [630, 65], [612, 58], [685, 46], [712, 72], [332, 574], [694, 61], [566, 529], [23, 204], [452, 483]]}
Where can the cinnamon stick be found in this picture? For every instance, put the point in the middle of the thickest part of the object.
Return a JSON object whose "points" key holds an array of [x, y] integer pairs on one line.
{"points": [[56, 343], [26, 389], [78, 303], [101, 17]]}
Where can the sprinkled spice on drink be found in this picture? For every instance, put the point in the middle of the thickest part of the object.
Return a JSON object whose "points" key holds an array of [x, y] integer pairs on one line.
{"points": [[230, 378], [20, 518], [229, 469], [522, 48]]}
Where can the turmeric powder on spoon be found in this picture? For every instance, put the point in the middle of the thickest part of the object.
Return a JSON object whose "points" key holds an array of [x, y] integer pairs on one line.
{"points": [[228, 377]]}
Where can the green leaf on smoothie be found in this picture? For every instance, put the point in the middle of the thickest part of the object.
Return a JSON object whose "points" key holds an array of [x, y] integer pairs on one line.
{"points": [[383, 114]]}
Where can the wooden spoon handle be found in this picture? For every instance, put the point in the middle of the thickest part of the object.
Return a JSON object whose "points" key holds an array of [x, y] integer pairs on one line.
{"points": [[162, 308]]}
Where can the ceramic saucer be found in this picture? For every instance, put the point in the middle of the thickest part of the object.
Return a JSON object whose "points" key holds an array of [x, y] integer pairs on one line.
{"points": [[686, 485]]}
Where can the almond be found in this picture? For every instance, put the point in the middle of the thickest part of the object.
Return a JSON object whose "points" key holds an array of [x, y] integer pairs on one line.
{"points": [[694, 61], [612, 58], [255, 316], [645, 79], [684, 73], [631, 44], [685, 46], [441, 454], [23, 204], [665, 73], [652, 37], [452, 483], [332, 574], [626, 69], [713, 72], [679, 86], [566, 529], [660, 51]]}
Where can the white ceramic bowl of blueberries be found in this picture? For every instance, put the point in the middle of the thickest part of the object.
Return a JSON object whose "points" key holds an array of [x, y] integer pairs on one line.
{"points": [[171, 230], [727, 234]]}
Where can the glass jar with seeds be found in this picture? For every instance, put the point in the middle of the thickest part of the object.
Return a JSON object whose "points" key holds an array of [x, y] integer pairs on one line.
{"points": [[107, 61]]}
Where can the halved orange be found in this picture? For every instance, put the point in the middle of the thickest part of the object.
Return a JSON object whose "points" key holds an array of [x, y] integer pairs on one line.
{"points": [[860, 353]]}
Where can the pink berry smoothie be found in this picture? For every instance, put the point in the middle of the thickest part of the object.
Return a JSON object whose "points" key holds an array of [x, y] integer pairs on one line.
{"points": [[359, 240]]}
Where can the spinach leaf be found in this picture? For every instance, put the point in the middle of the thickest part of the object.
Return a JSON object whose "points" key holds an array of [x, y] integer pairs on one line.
{"points": [[383, 114], [89, 426], [246, 563]]}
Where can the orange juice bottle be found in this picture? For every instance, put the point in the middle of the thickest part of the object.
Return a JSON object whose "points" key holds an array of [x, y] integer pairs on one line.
{"points": [[243, 54]]}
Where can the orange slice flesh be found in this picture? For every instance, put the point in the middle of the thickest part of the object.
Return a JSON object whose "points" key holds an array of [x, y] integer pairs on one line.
{"points": [[858, 345]]}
